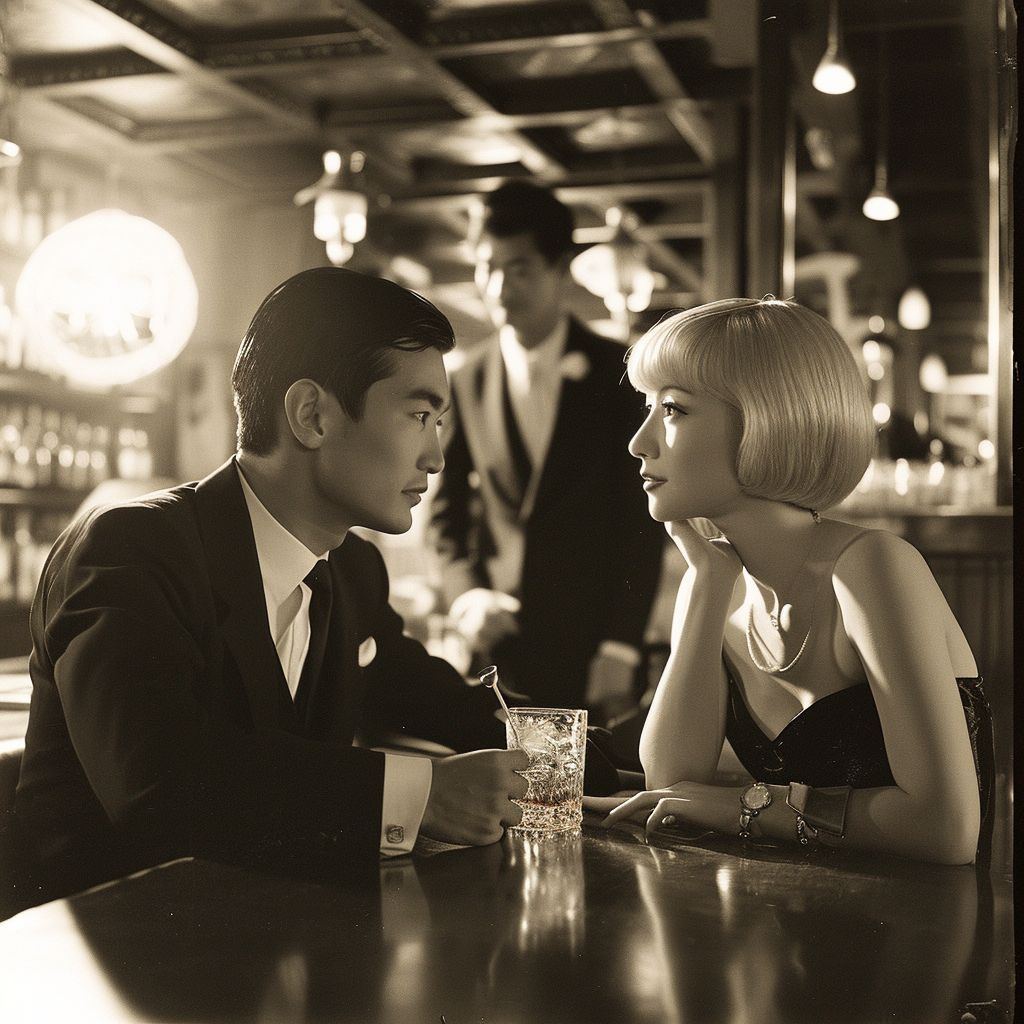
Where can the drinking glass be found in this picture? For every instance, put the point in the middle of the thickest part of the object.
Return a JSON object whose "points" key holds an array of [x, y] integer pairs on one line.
{"points": [[556, 740]]}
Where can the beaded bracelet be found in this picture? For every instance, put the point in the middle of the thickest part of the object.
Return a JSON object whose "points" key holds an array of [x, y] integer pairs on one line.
{"points": [[804, 832]]}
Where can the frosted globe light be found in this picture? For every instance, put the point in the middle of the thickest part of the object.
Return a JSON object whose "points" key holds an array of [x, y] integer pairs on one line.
{"points": [[109, 297]]}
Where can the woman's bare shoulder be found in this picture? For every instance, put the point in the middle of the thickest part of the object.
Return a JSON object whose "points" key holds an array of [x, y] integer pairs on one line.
{"points": [[864, 553]]}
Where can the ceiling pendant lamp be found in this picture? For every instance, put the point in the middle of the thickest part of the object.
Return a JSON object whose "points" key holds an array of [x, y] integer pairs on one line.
{"points": [[879, 205], [833, 74], [616, 271], [339, 213]]}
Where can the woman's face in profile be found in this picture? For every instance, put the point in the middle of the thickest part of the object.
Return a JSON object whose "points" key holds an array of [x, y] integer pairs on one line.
{"points": [[687, 448]]}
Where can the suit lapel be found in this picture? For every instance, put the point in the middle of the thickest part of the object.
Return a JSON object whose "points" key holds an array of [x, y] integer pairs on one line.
{"points": [[570, 423], [482, 396], [230, 549], [339, 695]]}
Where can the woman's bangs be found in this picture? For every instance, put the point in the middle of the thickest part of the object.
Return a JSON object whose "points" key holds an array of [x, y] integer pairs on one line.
{"points": [[666, 356]]}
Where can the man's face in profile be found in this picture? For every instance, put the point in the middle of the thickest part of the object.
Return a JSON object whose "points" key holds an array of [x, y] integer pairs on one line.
{"points": [[371, 472]]}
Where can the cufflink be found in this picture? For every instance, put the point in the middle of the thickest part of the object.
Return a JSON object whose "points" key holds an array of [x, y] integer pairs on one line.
{"points": [[394, 834], [367, 651]]}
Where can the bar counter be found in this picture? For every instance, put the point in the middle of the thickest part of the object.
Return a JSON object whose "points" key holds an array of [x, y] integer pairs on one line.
{"points": [[598, 928]]}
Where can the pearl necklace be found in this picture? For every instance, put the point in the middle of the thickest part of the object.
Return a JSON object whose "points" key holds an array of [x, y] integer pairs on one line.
{"points": [[770, 669], [773, 617]]}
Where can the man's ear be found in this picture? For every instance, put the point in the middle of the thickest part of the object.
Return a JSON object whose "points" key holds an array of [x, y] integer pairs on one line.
{"points": [[304, 407]]}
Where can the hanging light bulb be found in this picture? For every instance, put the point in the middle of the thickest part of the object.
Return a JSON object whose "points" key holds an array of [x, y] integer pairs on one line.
{"points": [[833, 74], [879, 205], [915, 311]]}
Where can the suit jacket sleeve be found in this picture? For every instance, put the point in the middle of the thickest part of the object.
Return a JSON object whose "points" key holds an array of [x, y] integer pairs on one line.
{"points": [[408, 690]]}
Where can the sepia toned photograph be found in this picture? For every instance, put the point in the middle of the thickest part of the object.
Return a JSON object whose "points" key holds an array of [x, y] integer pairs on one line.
{"points": [[507, 511]]}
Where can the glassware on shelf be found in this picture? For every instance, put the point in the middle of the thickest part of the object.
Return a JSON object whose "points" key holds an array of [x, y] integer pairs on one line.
{"points": [[903, 485]]}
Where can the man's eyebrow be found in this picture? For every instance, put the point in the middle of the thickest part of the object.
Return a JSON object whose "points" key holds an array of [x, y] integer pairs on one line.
{"points": [[431, 397]]}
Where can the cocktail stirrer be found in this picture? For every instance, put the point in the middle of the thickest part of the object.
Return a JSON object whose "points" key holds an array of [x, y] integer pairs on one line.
{"points": [[489, 677]]}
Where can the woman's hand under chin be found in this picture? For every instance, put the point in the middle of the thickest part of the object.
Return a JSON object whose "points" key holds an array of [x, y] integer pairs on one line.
{"points": [[705, 549]]}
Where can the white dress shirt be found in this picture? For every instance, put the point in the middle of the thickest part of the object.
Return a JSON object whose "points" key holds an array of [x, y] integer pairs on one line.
{"points": [[535, 386], [284, 563]]}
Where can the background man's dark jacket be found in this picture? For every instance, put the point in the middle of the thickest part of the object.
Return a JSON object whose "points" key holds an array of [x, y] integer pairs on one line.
{"points": [[592, 552]]}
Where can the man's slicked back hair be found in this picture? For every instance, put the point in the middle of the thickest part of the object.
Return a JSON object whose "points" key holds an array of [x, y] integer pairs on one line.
{"points": [[522, 207], [334, 326]]}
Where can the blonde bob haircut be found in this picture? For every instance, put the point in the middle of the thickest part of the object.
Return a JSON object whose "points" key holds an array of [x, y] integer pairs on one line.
{"points": [[807, 429]]}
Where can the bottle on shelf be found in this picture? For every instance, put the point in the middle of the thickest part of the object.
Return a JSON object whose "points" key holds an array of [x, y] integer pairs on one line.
{"points": [[99, 459], [66, 449], [25, 557]]}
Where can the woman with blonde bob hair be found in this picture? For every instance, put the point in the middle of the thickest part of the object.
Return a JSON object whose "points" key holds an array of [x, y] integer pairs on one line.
{"points": [[822, 653]]}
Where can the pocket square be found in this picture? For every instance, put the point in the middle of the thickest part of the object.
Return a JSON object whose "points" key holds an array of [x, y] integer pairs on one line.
{"points": [[367, 651]]}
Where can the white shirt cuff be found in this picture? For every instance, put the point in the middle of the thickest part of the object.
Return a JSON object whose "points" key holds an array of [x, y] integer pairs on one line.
{"points": [[406, 790]]}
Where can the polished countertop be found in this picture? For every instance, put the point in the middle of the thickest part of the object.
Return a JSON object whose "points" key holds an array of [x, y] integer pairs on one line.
{"points": [[601, 927]]}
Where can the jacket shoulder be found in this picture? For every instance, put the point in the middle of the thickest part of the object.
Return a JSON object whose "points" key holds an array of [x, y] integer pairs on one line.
{"points": [[361, 562], [147, 519]]}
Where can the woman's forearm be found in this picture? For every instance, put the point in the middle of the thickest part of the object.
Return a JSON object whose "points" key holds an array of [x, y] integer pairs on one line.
{"points": [[683, 734], [884, 820]]}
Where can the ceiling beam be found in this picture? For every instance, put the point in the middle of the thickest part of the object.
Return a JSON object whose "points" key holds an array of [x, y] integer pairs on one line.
{"points": [[681, 109], [469, 103], [141, 30], [697, 28]]}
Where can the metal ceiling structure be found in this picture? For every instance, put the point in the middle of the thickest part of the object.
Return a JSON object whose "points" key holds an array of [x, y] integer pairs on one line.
{"points": [[647, 105]]}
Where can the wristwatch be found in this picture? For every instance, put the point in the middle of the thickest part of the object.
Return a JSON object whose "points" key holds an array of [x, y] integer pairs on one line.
{"points": [[753, 800]]}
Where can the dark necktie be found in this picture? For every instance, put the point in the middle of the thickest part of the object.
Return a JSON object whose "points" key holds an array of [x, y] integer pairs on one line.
{"points": [[319, 581], [521, 463]]}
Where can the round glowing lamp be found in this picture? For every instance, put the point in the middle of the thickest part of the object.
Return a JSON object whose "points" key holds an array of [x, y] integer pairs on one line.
{"points": [[109, 297]]}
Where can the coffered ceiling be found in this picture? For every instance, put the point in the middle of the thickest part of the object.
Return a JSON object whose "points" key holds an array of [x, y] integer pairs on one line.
{"points": [[637, 104]]}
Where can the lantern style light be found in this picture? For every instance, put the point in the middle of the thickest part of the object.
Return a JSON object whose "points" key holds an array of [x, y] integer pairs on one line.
{"points": [[339, 213], [616, 271]]}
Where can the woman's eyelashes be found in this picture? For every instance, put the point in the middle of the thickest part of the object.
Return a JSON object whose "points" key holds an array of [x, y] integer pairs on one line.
{"points": [[670, 408]]}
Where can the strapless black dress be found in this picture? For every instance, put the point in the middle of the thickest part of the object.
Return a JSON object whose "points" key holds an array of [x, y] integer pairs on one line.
{"points": [[838, 741]]}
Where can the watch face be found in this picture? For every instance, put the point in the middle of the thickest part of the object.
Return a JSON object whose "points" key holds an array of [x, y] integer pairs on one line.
{"points": [[757, 797]]}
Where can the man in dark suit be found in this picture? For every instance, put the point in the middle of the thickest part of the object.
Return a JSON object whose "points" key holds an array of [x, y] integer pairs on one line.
{"points": [[205, 657], [548, 555]]}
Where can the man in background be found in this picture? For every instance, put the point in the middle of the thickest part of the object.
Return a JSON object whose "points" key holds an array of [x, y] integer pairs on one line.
{"points": [[210, 662], [548, 556]]}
